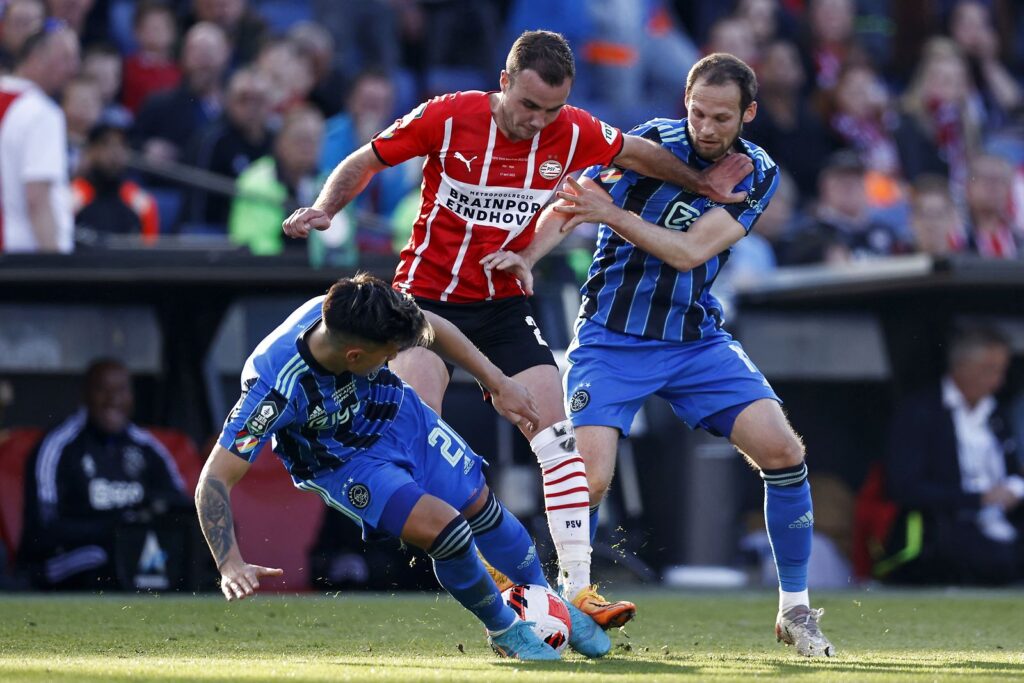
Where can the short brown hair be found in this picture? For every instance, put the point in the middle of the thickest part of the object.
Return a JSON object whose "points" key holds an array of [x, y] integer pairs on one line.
{"points": [[545, 52], [719, 68], [367, 308]]}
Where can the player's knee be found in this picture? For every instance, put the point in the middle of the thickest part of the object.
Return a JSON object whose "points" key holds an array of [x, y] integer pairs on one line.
{"points": [[786, 452], [599, 483], [455, 540]]}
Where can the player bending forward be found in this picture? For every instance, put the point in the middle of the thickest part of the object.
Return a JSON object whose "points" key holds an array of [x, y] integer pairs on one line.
{"points": [[648, 308], [351, 431]]}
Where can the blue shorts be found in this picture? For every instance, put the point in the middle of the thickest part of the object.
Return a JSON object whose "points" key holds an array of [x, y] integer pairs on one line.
{"points": [[419, 454], [611, 374]]}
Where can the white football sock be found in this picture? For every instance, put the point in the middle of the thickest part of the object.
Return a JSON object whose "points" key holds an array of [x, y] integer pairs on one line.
{"points": [[788, 600], [567, 502]]}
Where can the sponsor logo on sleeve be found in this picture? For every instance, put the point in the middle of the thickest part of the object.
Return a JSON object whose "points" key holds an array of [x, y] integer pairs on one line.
{"points": [[608, 132], [262, 418]]}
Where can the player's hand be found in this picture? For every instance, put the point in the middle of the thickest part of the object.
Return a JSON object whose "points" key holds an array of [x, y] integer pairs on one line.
{"points": [[305, 219], [238, 580], [514, 264], [1000, 495], [514, 402], [719, 179], [582, 205]]}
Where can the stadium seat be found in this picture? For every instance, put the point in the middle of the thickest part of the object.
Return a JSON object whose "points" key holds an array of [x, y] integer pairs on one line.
{"points": [[16, 445], [183, 450], [276, 523]]}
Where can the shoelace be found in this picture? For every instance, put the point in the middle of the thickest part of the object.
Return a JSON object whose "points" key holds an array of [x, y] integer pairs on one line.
{"points": [[811, 620]]}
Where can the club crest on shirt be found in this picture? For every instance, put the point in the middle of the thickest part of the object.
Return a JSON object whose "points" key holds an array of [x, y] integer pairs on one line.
{"points": [[550, 169], [359, 496], [579, 400]]}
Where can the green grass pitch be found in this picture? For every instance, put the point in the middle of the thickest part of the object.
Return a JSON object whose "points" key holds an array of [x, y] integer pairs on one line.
{"points": [[880, 635]]}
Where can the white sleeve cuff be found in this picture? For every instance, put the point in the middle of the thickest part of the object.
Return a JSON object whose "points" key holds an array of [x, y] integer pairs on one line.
{"points": [[1015, 483]]}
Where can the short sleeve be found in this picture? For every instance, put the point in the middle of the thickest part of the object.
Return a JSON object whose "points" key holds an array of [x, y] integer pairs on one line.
{"points": [[44, 143], [759, 193], [416, 134], [260, 412], [599, 142]]}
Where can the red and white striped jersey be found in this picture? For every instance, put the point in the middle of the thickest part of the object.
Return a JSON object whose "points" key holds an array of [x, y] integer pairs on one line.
{"points": [[481, 191]]}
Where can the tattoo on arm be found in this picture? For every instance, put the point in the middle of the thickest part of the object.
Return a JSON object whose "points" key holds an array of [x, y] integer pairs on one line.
{"points": [[215, 518]]}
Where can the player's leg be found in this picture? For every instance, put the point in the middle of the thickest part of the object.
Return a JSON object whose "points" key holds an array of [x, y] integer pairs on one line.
{"points": [[598, 446], [763, 434], [563, 476], [507, 546], [424, 371]]}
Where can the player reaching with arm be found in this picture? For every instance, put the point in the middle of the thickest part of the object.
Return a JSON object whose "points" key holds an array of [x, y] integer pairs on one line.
{"points": [[349, 430], [493, 160], [647, 306]]}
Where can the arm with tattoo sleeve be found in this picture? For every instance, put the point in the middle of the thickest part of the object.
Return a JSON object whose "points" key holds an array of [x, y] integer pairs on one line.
{"points": [[238, 579]]}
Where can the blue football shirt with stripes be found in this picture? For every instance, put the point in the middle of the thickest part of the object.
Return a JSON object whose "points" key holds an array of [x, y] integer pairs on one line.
{"points": [[632, 291], [318, 420]]}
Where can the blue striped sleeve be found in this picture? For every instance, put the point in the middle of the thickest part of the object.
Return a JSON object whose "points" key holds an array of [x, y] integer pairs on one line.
{"points": [[261, 411]]}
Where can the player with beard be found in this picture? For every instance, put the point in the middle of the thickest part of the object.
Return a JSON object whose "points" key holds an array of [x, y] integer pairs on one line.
{"points": [[647, 308], [493, 161]]}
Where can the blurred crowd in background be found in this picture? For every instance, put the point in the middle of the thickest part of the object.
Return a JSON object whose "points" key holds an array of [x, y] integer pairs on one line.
{"points": [[899, 125]]}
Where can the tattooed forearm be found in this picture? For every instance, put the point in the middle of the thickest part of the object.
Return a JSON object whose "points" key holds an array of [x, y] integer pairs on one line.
{"points": [[214, 507]]}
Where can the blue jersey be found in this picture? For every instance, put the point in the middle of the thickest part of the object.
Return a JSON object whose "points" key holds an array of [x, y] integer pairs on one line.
{"points": [[631, 291], [318, 420]]}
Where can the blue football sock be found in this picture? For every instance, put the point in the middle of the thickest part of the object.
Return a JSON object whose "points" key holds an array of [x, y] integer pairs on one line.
{"points": [[506, 544], [594, 518], [789, 518], [464, 576]]}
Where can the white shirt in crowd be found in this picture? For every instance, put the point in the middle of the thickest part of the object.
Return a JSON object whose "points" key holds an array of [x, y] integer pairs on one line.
{"points": [[33, 148], [981, 456]]}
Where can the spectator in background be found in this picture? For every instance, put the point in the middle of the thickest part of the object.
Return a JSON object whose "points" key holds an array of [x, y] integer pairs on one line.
{"points": [[82, 105], [369, 32], [940, 128], [841, 228], [990, 229], [998, 92], [274, 184], [72, 12], [245, 29], [934, 220], [104, 200], [329, 83], [168, 120], [733, 35], [369, 109], [34, 195], [92, 475], [863, 120], [953, 470], [289, 71], [830, 42], [786, 123], [102, 63], [229, 145], [20, 19], [151, 69], [767, 20]]}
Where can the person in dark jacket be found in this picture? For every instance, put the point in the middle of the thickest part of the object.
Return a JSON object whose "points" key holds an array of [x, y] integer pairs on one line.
{"points": [[954, 472], [97, 482]]}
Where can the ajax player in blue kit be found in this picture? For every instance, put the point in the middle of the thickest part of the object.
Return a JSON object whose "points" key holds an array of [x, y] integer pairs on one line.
{"points": [[649, 324], [351, 431]]}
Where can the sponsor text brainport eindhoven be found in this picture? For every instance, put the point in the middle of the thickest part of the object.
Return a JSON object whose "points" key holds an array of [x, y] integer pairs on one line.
{"points": [[504, 208]]}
